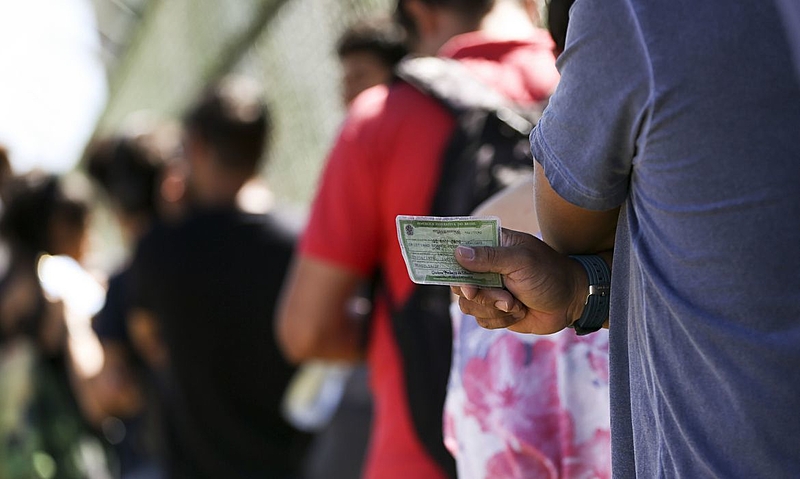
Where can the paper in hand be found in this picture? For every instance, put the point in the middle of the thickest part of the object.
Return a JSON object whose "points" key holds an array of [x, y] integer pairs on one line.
{"points": [[428, 244]]}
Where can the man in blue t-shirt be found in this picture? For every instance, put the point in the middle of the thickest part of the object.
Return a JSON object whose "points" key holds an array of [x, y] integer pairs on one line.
{"points": [[672, 145]]}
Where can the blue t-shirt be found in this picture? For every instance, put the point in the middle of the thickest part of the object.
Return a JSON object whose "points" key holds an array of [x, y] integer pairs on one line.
{"points": [[687, 115]]}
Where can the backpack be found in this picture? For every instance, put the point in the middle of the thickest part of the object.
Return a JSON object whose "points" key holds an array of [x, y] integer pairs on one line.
{"points": [[487, 151]]}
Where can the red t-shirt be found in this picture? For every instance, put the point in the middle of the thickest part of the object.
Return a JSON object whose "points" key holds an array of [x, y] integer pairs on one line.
{"points": [[386, 162]]}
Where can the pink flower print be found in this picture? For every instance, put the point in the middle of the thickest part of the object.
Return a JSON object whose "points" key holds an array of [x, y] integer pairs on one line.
{"points": [[525, 463], [590, 460], [513, 393], [598, 354]]}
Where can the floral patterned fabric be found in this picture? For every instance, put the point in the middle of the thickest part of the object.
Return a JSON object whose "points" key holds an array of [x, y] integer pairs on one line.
{"points": [[526, 406]]}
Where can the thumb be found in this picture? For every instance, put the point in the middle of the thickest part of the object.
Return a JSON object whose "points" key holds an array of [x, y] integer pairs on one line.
{"points": [[486, 259]]}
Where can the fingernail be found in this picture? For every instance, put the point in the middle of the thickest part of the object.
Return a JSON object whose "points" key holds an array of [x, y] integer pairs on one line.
{"points": [[466, 252], [502, 306], [469, 292]]}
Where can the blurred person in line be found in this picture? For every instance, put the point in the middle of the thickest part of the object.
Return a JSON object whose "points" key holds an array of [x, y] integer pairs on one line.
{"points": [[368, 51], [386, 162], [525, 405], [41, 418], [682, 171], [133, 169], [210, 282]]}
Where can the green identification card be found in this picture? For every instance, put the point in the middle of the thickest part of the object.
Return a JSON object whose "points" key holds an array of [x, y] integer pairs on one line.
{"points": [[429, 244]]}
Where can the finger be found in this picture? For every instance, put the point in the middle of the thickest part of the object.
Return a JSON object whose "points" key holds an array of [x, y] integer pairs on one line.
{"points": [[487, 317], [503, 259], [493, 298], [487, 307], [469, 291], [464, 290], [496, 323]]}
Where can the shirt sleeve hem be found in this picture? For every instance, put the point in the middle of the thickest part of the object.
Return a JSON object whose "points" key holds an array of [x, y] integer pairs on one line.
{"points": [[565, 184]]}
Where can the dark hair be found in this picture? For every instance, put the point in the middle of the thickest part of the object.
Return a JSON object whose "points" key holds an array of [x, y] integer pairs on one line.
{"points": [[557, 21], [128, 168], [470, 10], [33, 201], [378, 36], [232, 117], [5, 165]]}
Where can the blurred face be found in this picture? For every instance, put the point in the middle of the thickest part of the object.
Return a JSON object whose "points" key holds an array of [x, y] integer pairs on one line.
{"points": [[68, 236], [362, 70]]}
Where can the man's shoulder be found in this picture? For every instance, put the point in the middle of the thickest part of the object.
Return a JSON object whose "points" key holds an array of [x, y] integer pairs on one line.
{"points": [[154, 239], [398, 100], [380, 122], [278, 225]]}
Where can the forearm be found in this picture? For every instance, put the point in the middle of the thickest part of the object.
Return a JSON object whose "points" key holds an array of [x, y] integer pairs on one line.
{"points": [[300, 340], [313, 320]]}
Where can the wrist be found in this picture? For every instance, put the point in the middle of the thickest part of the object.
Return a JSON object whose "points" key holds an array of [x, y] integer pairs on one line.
{"points": [[580, 285], [596, 293]]}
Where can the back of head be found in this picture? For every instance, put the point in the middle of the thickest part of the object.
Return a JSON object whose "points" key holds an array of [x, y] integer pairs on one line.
{"points": [[471, 12], [378, 36], [5, 165], [232, 119], [129, 167], [557, 21], [36, 202], [368, 52]]}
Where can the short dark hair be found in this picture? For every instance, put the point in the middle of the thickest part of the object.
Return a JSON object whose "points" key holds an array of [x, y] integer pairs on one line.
{"points": [[557, 21], [129, 168], [232, 117], [5, 164], [378, 36], [470, 10], [34, 200]]}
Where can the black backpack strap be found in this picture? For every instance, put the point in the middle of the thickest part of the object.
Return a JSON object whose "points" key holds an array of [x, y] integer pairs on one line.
{"points": [[452, 84], [489, 147], [423, 331]]}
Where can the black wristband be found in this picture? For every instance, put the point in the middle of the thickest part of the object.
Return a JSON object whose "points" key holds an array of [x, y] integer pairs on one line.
{"points": [[595, 311]]}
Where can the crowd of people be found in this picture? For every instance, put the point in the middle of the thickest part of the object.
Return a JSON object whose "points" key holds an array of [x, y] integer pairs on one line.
{"points": [[647, 324]]}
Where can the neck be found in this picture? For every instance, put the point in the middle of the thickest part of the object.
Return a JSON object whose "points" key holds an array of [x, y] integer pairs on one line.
{"points": [[134, 226], [508, 20], [217, 190]]}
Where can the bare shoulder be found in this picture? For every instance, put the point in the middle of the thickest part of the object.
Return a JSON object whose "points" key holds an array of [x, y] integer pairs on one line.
{"points": [[514, 206]]}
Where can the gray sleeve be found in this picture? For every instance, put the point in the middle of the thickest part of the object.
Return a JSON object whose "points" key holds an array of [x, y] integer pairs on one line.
{"points": [[588, 136]]}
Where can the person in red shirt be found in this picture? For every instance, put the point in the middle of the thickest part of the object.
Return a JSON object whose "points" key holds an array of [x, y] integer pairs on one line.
{"points": [[385, 162]]}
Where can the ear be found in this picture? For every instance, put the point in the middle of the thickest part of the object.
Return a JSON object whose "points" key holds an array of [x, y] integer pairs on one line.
{"points": [[532, 7], [195, 148], [424, 17]]}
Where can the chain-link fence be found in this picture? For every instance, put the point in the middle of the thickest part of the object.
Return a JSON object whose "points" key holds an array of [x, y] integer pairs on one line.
{"points": [[288, 45]]}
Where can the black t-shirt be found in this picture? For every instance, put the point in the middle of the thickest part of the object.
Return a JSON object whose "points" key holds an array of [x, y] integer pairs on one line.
{"points": [[109, 323], [212, 281]]}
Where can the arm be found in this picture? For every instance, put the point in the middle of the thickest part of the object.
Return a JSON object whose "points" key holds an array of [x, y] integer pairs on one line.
{"points": [[513, 206], [570, 229], [586, 140], [312, 314], [145, 333]]}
